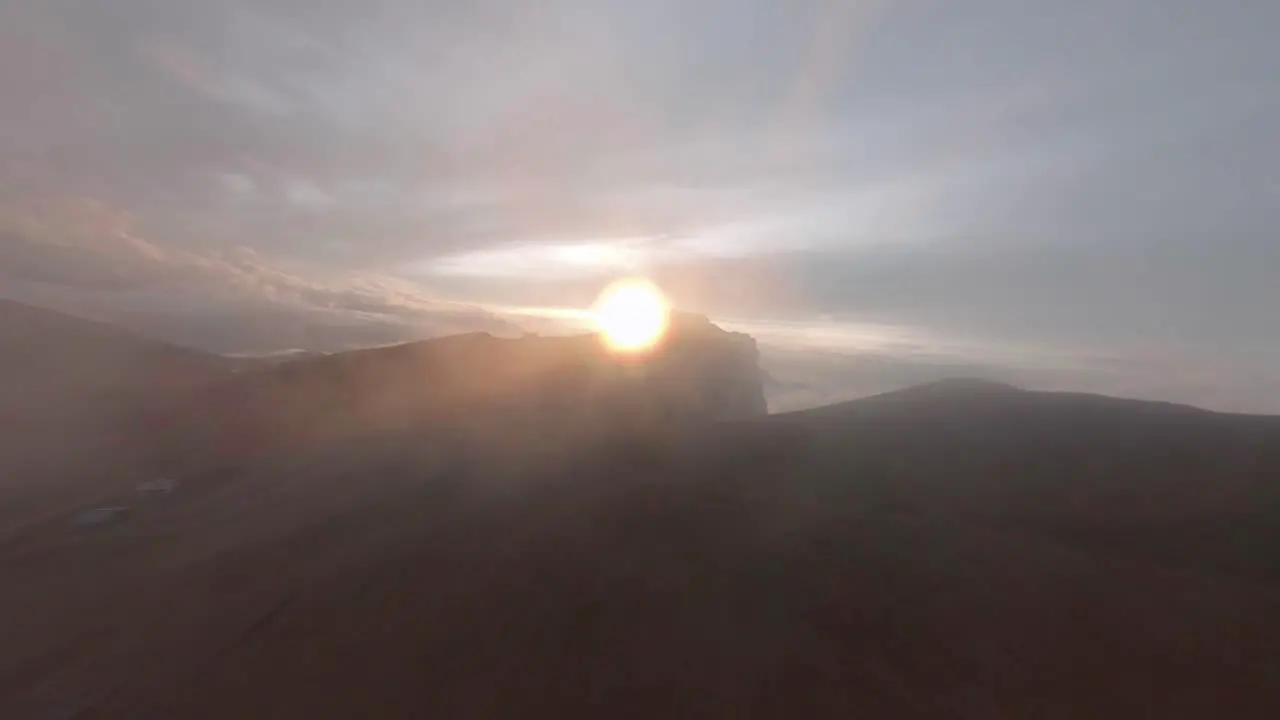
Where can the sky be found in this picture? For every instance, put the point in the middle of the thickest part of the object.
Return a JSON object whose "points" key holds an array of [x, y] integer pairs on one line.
{"points": [[1078, 195]]}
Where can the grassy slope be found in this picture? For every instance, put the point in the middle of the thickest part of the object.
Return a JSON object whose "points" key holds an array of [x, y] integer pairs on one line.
{"points": [[954, 551]]}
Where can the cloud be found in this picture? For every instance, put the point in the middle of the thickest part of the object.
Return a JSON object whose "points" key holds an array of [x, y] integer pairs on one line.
{"points": [[392, 132], [76, 250], [587, 121], [1079, 180], [1189, 296]]}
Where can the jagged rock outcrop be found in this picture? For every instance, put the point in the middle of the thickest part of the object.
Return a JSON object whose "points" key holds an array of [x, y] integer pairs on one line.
{"points": [[706, 372]]}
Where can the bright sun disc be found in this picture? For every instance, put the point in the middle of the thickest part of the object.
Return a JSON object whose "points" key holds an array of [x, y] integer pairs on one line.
{"points": [[631, 315]]}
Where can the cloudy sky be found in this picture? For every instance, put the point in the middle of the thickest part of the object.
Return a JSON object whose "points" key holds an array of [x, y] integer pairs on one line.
{"points": [[1076, 193]]}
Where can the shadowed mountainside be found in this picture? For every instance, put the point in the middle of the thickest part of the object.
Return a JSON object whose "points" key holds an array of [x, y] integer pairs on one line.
{"points": [[75, 400], [959, 550], [51, 363], [94, 409], [698, 373]]}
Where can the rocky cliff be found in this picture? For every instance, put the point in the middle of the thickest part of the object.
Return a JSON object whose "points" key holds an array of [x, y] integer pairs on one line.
{"points": [[705, 372]]}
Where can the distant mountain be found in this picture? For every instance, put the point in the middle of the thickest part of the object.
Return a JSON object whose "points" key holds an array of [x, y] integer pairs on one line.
{"points": [[958, 550], [50, 349], [568, 384], [157, 408], [77, 398], [1170, 478], [64, 374]]}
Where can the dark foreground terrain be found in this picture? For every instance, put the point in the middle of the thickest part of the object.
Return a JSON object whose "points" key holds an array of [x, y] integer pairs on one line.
{"points": [[957, 550]]}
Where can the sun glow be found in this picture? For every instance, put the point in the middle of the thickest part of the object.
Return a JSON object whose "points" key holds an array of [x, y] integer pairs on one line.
{"points": [[631, 316]]}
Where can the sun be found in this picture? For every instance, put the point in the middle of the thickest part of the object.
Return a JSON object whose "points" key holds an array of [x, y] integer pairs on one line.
{"points": [[631, 316]]}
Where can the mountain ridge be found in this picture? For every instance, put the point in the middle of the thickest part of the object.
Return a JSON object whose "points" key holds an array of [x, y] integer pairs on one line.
{"points": [[960, 549]]}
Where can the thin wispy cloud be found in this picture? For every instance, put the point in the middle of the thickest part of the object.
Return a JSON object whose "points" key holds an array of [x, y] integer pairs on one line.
{"points": [[87, 256]]}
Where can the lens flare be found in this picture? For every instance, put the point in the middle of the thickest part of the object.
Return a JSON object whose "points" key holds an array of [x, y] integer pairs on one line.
{"points": [[631, 316]]}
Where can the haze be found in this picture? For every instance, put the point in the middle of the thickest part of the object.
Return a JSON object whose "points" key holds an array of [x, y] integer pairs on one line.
{"points": [[1078, 195]]}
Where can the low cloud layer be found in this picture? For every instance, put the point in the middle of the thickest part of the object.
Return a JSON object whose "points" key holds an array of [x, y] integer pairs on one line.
{"points": [[84, 256]]}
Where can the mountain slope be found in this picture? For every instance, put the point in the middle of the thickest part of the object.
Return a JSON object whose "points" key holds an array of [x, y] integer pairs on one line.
{"points": [[931, 553], [698, 373], [1099, 470], [77, 399], [49, 358]]}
